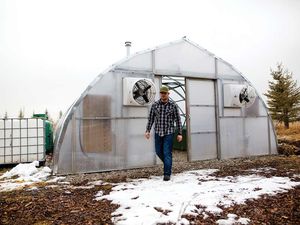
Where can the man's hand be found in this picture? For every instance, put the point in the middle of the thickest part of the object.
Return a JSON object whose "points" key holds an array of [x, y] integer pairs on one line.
{"points": [[147, 135], [179, 138]]}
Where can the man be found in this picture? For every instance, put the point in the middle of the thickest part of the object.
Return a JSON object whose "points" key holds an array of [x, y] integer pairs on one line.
{"points": [[164, 113]]}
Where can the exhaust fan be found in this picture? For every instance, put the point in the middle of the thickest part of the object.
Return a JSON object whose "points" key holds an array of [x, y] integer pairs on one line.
{"points": [[237, 95], [138, 91]]}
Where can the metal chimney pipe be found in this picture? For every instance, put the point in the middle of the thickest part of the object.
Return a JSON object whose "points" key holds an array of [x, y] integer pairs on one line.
{"points": [[127, 45]]}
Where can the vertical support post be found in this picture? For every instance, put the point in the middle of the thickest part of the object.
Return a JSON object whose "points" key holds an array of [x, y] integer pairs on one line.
{"points": [[222, 99], [269, 136], [217, 116], [20, 131], [188, 118], [27, 141], [73, 142], [12, 140], [153, 61], [37, 139], [44, 139], [4, 131], [153, 73]]}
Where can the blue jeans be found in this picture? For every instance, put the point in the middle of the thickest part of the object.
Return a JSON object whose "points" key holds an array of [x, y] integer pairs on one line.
{"points": [[163, 148]]}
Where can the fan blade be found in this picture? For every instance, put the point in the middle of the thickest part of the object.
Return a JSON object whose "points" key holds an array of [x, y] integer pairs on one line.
{"points": [[145, 98], [147, 88], [138, 86], [136, 94], [241, 98]]}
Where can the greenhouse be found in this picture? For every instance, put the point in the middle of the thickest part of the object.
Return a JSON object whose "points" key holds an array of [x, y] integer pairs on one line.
{"points": [[223, 114]]}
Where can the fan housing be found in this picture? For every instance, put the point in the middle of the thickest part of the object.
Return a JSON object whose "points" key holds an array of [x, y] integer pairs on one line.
{"points": [[238, 95], [138, 91]]}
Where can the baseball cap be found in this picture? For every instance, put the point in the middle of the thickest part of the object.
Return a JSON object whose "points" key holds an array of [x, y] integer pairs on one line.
{"points": [[164, 89]]}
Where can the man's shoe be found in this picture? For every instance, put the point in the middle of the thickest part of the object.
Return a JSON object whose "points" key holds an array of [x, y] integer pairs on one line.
{"points": [[166, 177]]}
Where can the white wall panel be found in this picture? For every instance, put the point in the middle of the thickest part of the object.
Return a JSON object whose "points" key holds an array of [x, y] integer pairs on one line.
{"points": [[202, 119], [138, 62], [201, 92], [232, 137], [232, 112], [226, 70], [256, 136], [204, 147], [183, 58]]}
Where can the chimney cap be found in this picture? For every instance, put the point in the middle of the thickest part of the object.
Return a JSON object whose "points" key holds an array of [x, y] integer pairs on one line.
{"points": [[127, 43]]}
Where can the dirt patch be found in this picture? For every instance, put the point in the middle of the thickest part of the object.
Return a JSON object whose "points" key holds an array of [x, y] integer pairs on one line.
{"points": [[281, 209], [288, 147], [55, 206]]}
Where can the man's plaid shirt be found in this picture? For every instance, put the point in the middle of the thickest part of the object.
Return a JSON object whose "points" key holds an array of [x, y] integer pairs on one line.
{"points": [[164, 115]]}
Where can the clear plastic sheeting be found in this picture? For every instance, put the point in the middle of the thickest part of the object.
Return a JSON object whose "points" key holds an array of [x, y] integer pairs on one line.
{"points": [[185, 59], [225, 70], [202, 119], [141, 61], [232, 112], [256, 136], [207, 148], [232, 138], [100, 133], [244, 137], [257, 109]]}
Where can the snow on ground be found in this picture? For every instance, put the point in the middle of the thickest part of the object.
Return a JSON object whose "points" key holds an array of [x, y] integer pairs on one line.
{"points": [[28, 175], [22, 175], [232, 220], [156, 201]]}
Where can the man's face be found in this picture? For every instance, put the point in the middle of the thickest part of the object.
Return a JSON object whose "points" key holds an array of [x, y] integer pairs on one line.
{"points": [[164, 96]]}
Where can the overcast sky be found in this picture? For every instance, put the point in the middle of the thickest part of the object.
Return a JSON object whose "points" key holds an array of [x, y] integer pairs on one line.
{"points": [[51, 50]]}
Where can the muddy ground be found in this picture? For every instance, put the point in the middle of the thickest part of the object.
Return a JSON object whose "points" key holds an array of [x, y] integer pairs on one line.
{"points": [[74, 203]]}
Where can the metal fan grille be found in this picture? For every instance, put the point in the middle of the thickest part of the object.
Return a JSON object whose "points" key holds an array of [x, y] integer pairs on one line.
{"points": [[247, 96], [143, 92]]}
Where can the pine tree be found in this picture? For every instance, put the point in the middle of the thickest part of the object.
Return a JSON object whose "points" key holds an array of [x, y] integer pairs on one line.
{"points": [[283, 96]]}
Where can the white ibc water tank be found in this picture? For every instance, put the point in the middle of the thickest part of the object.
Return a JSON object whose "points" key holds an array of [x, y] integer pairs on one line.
{"points": [[22, 140]]}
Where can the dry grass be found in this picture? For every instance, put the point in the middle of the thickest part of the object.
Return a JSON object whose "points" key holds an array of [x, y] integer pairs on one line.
{"points": [[293, 133]]}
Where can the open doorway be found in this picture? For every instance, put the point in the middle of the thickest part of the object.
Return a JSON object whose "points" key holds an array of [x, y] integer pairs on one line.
{"points": [[178, 94]]}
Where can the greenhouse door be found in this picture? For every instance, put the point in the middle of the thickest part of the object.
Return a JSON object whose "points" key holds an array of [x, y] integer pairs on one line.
{"points": [[201, 119]]}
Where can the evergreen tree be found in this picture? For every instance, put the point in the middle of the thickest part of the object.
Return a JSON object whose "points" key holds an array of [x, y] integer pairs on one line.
{"points": [[283, 96]]}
